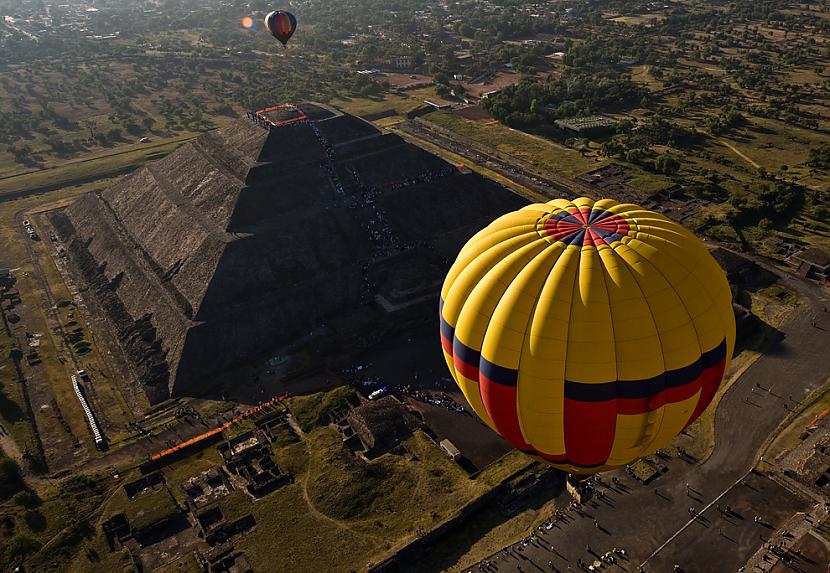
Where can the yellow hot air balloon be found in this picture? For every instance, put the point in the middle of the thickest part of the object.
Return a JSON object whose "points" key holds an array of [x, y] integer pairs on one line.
{"points": [[587, 333]]}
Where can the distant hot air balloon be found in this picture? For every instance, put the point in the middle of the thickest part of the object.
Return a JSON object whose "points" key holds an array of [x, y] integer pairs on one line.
{"points": [[281, 25], [588, 334]]}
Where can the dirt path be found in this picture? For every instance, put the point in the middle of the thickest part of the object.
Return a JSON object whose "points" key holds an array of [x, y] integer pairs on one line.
{"points": [[314, 511], [9, 447], [739, 153]]}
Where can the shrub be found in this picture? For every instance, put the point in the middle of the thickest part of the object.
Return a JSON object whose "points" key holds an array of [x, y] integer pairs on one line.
{"points": [[26, 499]]}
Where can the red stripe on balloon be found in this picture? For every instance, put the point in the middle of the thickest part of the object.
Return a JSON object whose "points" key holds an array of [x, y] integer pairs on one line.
{"points": [[500, 402], [680, 393], [634, 406], [707, 384], [446, 345], [589, 431], [466, 370], [710, 382], [283, 24]]}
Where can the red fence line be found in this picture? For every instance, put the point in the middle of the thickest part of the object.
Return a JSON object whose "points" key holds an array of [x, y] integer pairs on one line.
{"points": [[301, 117], [220, 429]]}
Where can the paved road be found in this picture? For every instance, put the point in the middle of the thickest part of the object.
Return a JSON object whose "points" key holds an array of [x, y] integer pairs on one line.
{"points": [[653, 522]]}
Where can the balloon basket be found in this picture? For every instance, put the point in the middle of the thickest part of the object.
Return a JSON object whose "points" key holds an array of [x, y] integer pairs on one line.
{"points": [[579, 487]]}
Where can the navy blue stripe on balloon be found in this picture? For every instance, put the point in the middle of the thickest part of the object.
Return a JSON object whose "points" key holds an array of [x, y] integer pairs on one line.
{"points": [[465, 354], [626, 389], [565, 216], [583, 392], [598, 215], [498, 374], [473, 358], [633, 389], [576, 238], [447, 331]]}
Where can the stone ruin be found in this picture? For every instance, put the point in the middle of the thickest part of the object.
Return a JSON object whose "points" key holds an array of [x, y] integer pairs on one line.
{"points": [[251, 236], [250, 457]]}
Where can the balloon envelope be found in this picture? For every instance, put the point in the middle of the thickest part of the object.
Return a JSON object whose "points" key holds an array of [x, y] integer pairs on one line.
{"points": [[588, 334], [281, 25]]}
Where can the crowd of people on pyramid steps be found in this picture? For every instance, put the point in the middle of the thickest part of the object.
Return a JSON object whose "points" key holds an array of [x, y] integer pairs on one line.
{"points": [[380, 231], [443, 399]]}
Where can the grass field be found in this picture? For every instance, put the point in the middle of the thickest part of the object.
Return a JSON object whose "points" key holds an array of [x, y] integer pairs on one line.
{"points": [[198, 462], [457, 159], [64, 519], [12, 407], [53, 368], [313, 410], [641, 75], [354, 510], [90, 168], [185, 564], [401, 104], [530, 148], [772, 145], [15, 256], [794, 428]]}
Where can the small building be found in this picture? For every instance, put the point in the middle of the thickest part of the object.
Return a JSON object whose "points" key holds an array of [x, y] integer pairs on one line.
{"points": [[449, 448], [587, 126], [578, 488], [812, 263], [251, 458], [154, 480], [438, 105], [399, 62]]}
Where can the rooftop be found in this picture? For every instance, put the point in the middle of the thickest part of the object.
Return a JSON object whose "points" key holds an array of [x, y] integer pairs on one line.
{"points": [[814, 256]]}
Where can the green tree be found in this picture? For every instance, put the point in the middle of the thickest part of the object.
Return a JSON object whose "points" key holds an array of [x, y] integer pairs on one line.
{"points": [[666, 164], [635, 155], [20, 546], [11, 480], [26, 499]]}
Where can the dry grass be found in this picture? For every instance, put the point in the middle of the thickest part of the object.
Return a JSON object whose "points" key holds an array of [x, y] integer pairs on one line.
{"points": [[90, 168], [795, 427], [533, 149]]}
